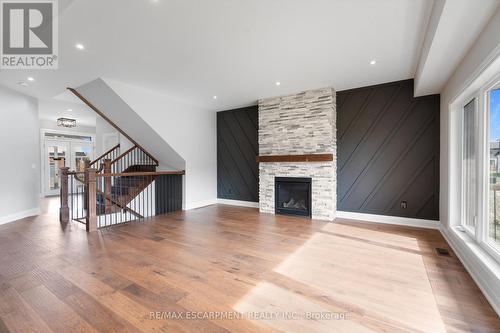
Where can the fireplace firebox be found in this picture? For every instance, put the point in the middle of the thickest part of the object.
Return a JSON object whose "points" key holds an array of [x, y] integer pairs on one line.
{"points": [[293, 196]]}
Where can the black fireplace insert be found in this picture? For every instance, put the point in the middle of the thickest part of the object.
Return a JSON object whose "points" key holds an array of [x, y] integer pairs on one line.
{"points": [[293, 196]]}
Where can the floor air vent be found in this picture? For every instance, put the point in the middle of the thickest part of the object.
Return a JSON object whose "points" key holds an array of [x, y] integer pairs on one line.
{"points": [[443, 252]]}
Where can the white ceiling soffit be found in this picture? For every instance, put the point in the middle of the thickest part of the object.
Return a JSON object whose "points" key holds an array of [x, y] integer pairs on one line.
{"points": [[453, 27]]}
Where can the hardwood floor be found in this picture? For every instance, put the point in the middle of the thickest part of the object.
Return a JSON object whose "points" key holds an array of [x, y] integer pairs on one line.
{"points": [[206, 267]]}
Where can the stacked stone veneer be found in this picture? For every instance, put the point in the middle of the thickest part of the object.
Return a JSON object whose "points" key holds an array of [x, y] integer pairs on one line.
{"points": [[303, 123]]}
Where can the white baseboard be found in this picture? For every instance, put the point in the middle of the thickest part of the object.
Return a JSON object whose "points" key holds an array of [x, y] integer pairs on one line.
{"points": [[238, 203], [19, 215], [199, 204], [405, 221], [204, 203], [483, 269]]}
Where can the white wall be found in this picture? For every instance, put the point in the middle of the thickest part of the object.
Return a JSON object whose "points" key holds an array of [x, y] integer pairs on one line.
{"points": [[478, 58], [19, 144], [102, 128], [189, 129]]}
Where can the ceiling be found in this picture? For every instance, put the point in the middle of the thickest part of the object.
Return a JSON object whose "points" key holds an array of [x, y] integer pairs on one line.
{"points": [[52, 109], [237, 50]]}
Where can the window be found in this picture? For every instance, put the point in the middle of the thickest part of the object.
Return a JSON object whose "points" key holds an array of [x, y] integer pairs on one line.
{"points": [[469, 164], [493, 225], [479, 157]]}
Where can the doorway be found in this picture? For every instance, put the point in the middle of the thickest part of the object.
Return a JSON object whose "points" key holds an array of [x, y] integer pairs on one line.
{"points": [[63, 151]]}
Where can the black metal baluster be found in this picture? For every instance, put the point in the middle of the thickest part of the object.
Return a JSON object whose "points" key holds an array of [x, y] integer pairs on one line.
{"points": [[149, 200], [104, 204], [143, 207], [109, 215], [135, 207], [71, 199]]}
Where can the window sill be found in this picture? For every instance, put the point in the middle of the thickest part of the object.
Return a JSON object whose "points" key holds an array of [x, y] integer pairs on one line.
{"points": [[483, 268]]}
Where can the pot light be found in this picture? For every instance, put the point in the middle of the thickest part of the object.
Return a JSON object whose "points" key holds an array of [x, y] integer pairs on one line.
{"points": [[31, 79], [70, 110], [373, 62], [80, 46], [278, 83], [215, 97]]}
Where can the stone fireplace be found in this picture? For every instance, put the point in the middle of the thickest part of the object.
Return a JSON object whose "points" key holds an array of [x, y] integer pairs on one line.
{"points": [[292, 131]]}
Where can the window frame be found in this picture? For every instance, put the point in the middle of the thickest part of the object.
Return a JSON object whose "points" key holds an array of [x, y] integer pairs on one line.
{"points": [[480, 232], [471, 232], [484, 135]]}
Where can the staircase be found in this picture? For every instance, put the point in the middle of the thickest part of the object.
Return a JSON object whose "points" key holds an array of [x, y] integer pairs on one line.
{"points": [[118, 187], [124, 190], [116, 192]]}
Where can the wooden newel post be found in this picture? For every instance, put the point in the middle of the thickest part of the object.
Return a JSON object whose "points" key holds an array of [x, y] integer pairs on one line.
{"points": [[90, 197], [107, 186], [86, 165], [64, 209]]}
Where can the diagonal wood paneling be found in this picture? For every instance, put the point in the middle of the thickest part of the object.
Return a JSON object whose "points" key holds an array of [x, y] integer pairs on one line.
{"points": [[388, 151], [237, 147]]}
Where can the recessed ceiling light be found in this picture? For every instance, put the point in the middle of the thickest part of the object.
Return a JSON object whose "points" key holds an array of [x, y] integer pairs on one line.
{"points": [[373, 62], [22, 84], [70, 110], [31, 79], [80, 46], [278, 83], [215, 97]]}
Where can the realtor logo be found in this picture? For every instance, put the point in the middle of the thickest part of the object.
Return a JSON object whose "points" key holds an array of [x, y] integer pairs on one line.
{"points": [[29, 34]]}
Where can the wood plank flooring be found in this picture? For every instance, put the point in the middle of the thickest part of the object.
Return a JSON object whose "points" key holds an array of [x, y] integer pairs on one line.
{"points": [[231, 269]]}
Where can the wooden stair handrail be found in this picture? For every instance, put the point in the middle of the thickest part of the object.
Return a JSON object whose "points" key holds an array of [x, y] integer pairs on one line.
{"points": [[122, 155], [90, 105], [104, 155], [131, 174]]}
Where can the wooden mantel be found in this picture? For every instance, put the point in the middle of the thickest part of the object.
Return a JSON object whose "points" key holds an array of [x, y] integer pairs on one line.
{"points": [[295, 158]]}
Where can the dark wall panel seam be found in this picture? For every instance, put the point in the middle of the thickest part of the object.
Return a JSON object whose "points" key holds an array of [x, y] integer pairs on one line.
{"points": [[372, 126], [426, 201], [249, 144], [363, 139], [242, 178], [419, 171], [238, 145], [358, 114], [396, 164]]}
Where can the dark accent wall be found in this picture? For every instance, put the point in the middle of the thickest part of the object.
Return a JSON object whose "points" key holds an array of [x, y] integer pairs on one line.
{"points": [[168, 194], [388, 151], [237, 149]]}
